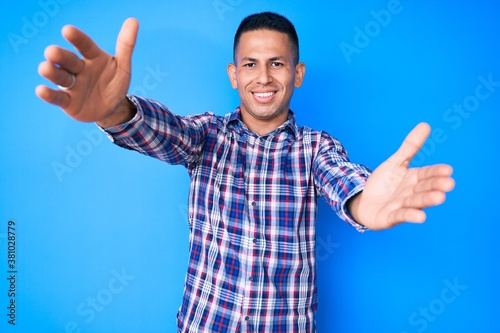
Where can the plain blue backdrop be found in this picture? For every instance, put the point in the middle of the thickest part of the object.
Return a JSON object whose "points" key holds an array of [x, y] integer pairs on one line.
{"points": [[102, 235]]}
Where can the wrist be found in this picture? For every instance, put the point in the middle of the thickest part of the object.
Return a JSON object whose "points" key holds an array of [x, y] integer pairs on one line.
{"points": [[124, 111], [353, 206]]}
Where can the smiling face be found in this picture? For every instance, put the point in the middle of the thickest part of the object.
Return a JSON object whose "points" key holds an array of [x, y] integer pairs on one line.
{"points": [[265, 75]]}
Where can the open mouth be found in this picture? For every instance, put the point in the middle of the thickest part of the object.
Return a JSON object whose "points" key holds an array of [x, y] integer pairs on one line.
{"points": [[264, 97]]}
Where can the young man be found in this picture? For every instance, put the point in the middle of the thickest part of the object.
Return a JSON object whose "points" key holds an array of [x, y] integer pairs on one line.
{"points": [[255, 175]]}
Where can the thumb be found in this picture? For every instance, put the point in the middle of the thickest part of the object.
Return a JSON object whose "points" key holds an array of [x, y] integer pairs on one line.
{"points": [[412, 144], [126, 42]]}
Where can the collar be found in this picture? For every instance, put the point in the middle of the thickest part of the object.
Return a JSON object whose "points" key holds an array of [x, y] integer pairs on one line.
{"points": [[233, 119]]}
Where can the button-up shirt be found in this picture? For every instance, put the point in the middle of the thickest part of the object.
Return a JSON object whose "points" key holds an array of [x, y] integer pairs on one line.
{"points": [[252, 208]]}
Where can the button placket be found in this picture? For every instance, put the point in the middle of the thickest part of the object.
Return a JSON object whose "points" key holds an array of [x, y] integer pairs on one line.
{"points": [[250, 229]]}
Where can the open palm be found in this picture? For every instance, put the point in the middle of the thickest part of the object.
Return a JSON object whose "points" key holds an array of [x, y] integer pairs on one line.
{"points": [[396, 193], [102, 80]]}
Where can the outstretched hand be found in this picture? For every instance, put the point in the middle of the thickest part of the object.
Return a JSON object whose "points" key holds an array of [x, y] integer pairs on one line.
{"points": [[101, 80], [395, 193]]}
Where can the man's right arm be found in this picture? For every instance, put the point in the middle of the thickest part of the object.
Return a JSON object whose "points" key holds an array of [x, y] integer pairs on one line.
{"points": [[156, 131], [98, 93]]}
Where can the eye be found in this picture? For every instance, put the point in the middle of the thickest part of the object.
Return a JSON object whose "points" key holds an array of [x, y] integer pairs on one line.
{"points": [[276, 64], [249, 65]]}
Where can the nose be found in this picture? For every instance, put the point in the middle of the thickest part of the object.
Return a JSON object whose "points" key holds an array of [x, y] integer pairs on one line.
{"points": [[264, 76]]}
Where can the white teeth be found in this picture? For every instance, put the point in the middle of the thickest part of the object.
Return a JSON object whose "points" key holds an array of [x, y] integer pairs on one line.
{"points": [[264, 95]]}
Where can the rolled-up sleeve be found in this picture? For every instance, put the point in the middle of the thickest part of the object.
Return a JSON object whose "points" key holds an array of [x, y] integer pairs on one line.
{"points": [[337, 179]]}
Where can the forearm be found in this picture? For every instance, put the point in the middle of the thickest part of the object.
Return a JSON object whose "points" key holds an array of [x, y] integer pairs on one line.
{"points": [[155, 131]]}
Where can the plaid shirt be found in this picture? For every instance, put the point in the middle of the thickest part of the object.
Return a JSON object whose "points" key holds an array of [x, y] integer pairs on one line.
{"points": [[252, 210]]}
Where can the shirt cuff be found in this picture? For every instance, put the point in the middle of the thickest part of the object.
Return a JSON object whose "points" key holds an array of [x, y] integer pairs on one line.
{"points": [[344, 212]]}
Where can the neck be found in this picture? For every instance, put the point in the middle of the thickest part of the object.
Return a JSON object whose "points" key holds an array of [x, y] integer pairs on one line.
{"points": [[263, 126]]}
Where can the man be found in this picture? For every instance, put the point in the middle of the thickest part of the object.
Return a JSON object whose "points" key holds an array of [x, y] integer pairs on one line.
{"points": [[255, 174]]}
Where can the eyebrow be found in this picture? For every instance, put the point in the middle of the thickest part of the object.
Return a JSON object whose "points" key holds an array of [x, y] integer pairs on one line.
{"points": [[270, 59]]}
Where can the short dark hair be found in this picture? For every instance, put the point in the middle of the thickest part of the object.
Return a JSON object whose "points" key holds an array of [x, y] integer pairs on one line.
{"points": [[268, 21]]}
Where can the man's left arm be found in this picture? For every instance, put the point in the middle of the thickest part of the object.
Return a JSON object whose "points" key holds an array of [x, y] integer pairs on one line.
{"points": [[336, 179]]}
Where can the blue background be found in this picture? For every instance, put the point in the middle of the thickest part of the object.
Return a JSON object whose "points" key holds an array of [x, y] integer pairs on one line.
{"points": [[87, 211]]}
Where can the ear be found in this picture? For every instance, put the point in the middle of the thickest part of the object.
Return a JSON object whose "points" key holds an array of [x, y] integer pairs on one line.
{"points": [[300, 71], [231, 72]]}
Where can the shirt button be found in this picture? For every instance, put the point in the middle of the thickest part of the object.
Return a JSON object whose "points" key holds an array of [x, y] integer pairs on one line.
{"points": [[250, 278], [254, 240], [254, 203], [247, 318]]}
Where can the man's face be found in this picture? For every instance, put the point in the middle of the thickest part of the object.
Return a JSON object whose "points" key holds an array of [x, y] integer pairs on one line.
{"points": [[265, 75]]}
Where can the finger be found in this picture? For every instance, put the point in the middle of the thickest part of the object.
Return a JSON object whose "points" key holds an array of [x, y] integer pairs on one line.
{"points": [[83, 43], [125, 43], [55, 74], [56, 97], [407, 215], [444, 184], [424, 199], [438, 170], [64, 58], [411, 144]]}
